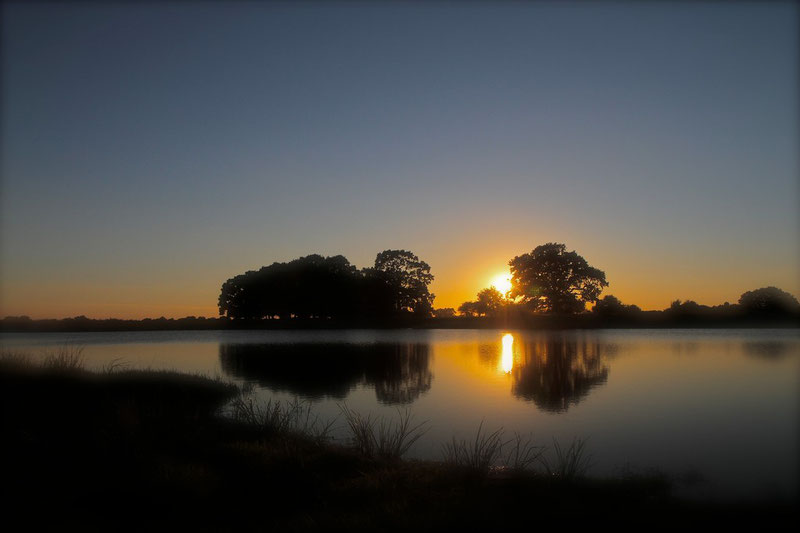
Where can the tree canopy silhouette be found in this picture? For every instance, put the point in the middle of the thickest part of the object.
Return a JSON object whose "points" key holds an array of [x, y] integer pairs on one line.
{"points": [[553, 280], [330, 287]]}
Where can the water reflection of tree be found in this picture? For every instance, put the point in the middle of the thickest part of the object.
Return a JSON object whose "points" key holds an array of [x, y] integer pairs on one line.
{"points": [[767, 349], [399, 373], [557, 373]]}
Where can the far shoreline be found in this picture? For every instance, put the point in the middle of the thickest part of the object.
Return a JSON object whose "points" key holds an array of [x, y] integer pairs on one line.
{"points": [[642, 320]]}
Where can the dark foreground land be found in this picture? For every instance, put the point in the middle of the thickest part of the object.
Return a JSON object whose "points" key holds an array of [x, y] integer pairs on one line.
{"points": [[149, 451]]}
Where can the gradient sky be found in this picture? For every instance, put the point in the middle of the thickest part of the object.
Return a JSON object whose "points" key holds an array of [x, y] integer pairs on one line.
{"points": [[151, 152]]}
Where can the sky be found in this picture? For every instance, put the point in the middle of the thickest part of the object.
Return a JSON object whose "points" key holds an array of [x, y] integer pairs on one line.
{"points": [[150, 152]]}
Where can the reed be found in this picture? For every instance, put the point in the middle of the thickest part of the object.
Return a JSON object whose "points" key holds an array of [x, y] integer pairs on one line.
{"points": [[67, 358], [274, 416], [570, 463], [14, 359], [478, 454], [115, 365], [380, 438], [490, 452], [522, 454]]}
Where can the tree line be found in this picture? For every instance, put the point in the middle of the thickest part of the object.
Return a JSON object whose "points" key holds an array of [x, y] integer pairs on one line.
{"points": [[551, 280], [550, 285]]}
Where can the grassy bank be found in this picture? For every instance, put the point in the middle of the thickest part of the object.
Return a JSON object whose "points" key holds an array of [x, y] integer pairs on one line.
{"points": [[146, 450]]}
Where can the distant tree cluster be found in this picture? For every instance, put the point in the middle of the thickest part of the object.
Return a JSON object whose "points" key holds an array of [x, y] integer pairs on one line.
{"points": [[611, 307], [768, 301], [331, 288], [763, 303], [83, 323]]}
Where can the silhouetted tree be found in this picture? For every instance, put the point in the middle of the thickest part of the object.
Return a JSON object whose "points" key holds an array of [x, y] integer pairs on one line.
{"points": [[490, 301], [553, 280], [444, 312], [768, 301], [408, 277]]}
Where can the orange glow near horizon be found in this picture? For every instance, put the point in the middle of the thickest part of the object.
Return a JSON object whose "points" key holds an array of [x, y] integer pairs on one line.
{"points": [[457, 281]]}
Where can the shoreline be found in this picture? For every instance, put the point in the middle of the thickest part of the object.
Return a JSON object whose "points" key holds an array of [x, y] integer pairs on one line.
{"points": [[647, 320]]}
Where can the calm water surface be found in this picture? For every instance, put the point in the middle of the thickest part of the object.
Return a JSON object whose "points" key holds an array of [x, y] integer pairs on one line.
{"points": [[716, 409]]}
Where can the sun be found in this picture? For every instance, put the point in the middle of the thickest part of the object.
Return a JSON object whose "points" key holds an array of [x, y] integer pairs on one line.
{"points": [[502, 282]]}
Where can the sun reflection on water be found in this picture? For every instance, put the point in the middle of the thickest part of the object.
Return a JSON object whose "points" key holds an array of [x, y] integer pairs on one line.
{"points": [[507, 359]]}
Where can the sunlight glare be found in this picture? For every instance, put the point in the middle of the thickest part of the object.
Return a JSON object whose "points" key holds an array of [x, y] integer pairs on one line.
{"points": [[502, 282], [507, 357]]}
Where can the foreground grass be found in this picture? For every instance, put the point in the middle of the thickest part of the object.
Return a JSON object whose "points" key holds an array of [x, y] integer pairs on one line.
{"points": [[145, 450]]}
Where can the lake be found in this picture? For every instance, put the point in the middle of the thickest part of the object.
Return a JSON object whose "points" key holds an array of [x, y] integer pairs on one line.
{"points": [[717, 410]]}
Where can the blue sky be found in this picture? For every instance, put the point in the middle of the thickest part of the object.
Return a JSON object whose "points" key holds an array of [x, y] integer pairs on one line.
{"points": [[152, 151]]}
